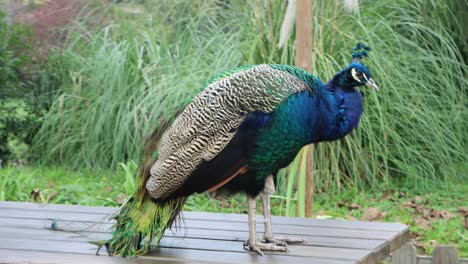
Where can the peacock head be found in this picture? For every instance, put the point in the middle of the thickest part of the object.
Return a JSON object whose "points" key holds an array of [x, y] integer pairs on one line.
{"points": [[357, 74]]}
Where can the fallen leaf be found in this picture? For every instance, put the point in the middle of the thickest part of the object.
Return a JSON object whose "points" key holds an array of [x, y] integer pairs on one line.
{"points": [[351, 206], [410, 204], [418, 198], [421, 210], [440, 214], [423, 223], [371, 214]]}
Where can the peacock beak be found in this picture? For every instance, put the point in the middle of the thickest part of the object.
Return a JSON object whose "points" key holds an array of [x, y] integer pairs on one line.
{"points": [[372, 84]]}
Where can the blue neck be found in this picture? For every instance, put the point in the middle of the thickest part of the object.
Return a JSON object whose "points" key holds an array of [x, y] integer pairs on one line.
{"points": [[345, 109]]}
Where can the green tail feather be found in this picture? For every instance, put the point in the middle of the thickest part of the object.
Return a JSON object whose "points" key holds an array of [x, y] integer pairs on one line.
{"points": [[141, 219], [140, 223]]}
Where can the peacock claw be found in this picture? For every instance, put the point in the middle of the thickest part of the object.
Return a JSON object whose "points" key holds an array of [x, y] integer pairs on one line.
{"points": [[283, 241], [258, 247]]}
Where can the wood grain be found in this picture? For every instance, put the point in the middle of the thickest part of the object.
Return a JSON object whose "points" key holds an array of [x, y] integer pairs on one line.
{"points": [[406, 254], [204, 238]]}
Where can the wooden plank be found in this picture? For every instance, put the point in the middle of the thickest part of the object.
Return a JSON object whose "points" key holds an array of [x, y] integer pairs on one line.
{"points": [[444, 254], [377, 255], [405, 255], [168, 242], [189, 243], [58, 207], [400, 239], [72, 216], [215, 225], [295, 250], [46, 223], [27, 256], [204, 235], [232, 257], [214, 236], [427, 260], [204, 216], [203, 244], [384, 250], [190, 223], [217, 253]]}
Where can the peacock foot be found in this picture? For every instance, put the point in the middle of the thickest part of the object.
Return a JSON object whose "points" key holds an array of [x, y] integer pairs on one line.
{"points": [[100, 244], [258, 247], [282, 241]]}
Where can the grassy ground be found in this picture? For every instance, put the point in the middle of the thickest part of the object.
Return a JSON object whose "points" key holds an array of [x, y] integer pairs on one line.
{"points": [[436, 216]]}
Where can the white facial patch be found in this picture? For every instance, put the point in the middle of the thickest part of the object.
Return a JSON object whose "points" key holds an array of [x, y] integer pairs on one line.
{"points": [[365, 77], [354, 74]]}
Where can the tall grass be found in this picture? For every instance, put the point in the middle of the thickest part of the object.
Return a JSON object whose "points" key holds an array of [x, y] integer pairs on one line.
{"points": [[118, 90], [120, 81]]}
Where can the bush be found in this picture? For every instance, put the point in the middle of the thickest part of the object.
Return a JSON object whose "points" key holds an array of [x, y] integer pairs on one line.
{"points": [[25, 92]]}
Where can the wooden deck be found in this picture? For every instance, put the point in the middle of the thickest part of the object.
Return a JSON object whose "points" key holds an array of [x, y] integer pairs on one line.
{"points": [[204, 238]]}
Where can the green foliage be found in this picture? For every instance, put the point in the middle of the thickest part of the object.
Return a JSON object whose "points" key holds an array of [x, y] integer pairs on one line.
{"points": [[433, 217], [130, 169], [119, 82], [26, 91], [15, 115], [14, 48], [64, 186], [117, 91]]}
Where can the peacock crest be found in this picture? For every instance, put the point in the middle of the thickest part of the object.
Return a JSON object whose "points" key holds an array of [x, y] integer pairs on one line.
{"points": [[360, 51]]}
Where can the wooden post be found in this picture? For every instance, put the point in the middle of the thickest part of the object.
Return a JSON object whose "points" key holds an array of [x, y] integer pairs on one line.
{"points": [[444, 254], [405, 255], [304, 43], [304, 36]]}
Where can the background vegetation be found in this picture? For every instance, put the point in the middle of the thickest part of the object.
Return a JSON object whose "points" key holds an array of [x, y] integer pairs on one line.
{"points": [[89, 101], [119, 81]]}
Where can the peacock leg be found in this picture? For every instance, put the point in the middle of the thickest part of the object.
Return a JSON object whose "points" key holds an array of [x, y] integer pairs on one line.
{"points": [[252, 243], [268, 235], [100, 244]]}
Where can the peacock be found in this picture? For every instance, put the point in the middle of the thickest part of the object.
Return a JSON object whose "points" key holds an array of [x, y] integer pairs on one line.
{"points": [[245, 125]]}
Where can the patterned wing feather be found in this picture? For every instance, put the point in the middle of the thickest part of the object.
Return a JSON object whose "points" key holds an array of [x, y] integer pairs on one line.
{"points": [[209, 122]]}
